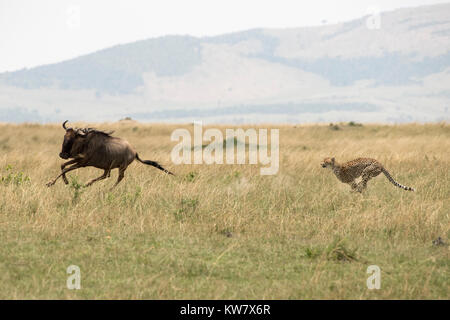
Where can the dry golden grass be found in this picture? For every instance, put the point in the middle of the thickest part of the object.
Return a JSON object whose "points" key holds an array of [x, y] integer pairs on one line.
{"points": [[224, 231]]}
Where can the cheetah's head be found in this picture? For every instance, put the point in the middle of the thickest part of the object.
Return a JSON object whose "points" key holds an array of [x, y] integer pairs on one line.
{"points": [[328, 163]]}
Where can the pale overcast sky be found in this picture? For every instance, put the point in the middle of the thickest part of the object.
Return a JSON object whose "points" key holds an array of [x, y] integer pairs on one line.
{"points": [[40, 32]]}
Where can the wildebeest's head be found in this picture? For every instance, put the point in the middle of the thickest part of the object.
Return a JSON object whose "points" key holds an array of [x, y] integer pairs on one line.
{"points": [[69, 138]]}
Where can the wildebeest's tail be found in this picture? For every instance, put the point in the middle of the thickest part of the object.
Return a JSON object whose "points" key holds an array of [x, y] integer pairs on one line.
{"points": [[153, 163], [395, 183]]}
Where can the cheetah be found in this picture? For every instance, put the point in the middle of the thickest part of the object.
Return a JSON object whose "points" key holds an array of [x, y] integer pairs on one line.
{"points": [[366, 168]]}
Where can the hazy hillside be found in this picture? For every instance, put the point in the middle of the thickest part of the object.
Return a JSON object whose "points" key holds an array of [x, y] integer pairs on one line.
{"points": [[398, 72]]}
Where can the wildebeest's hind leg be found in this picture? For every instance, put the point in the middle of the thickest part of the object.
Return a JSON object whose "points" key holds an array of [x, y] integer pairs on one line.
{"points": [[64, 165], [75, 166], [103, 176], [121, 175]]}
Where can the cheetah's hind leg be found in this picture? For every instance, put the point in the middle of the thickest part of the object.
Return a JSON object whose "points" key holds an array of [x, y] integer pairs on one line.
{"points": [[354, 186], [368, 173]]}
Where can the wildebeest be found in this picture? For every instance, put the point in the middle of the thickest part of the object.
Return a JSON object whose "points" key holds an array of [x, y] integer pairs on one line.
{"points": [[90, 147]]}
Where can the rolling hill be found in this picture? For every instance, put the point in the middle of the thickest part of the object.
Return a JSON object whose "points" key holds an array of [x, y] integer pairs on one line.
{"points": [[398, 71]]}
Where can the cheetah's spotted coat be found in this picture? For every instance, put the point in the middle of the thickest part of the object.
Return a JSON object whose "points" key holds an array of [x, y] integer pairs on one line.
{"points": [[366, 168]]}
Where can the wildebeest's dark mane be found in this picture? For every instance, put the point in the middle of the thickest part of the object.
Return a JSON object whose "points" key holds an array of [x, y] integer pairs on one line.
{"points": [[86, 131]]}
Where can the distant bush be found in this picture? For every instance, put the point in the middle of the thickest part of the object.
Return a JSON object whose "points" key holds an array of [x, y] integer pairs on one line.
{"points": [[126, 119], [334, 127]]}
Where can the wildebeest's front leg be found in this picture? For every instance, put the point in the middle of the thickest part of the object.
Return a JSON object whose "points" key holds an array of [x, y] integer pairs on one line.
{"points": [[64, 165], [75, 166], [105, 174]]}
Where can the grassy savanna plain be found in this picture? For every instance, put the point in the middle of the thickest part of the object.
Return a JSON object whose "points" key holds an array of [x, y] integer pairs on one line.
{"points": [[225, 231]]}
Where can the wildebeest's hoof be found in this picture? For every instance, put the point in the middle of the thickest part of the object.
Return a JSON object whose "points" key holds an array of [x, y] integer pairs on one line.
{"points": [[50, 184]]}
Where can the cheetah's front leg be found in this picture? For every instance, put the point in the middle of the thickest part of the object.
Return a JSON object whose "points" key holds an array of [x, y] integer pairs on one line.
{"points": [[354, 186]]}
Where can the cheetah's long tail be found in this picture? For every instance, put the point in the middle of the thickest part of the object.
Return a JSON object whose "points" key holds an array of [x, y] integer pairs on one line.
{"points": [[395, 183]]}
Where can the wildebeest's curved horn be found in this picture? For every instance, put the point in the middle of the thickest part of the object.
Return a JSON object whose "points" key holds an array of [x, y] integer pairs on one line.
{"points": [[64, 124]]}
